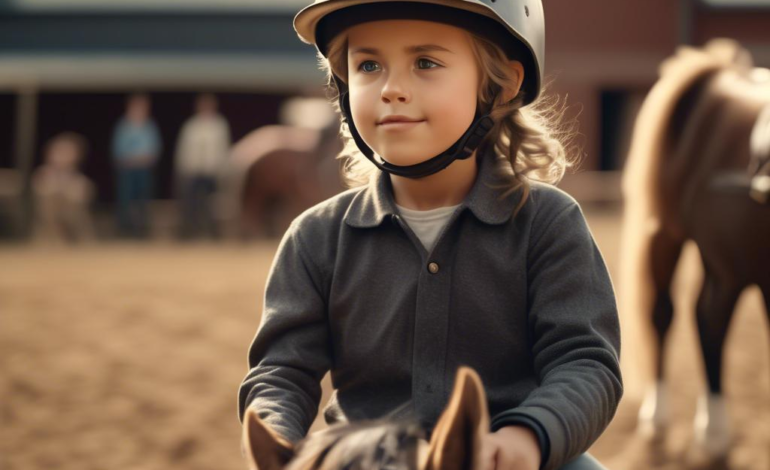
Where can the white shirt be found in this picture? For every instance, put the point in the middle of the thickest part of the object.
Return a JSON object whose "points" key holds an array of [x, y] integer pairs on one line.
{"points": [[203, 145], [427, 225]]}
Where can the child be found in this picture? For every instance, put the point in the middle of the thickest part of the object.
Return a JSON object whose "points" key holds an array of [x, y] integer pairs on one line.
{"points": [[451, 254], [63, 194]]}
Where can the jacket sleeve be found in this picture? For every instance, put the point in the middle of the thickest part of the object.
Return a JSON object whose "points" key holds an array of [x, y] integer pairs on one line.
{"points": [[225, 140], [575, 339], [182, 149], [289, 354]]}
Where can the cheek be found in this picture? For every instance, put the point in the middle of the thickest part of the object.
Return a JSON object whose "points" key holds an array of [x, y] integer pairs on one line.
{"points": [[361, 105], [453, 105]]}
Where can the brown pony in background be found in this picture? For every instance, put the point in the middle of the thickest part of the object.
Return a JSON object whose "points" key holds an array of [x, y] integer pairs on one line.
{"points": [[282, 182], [698, 169], [277, 171]]}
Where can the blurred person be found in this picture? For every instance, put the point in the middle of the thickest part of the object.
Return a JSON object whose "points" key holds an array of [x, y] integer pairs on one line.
{"points": [[201, 153], [136, 145], [62, 193]]}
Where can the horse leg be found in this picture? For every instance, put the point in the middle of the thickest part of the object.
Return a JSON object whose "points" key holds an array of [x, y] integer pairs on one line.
{"points": [[665, 249], [765, 288], [715, 308]]}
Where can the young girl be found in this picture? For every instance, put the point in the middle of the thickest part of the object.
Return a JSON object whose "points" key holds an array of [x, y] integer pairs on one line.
{"points": [[452, 252]]}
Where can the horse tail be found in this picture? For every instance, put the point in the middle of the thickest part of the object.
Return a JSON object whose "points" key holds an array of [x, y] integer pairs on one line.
{"points": [[643, 190]]}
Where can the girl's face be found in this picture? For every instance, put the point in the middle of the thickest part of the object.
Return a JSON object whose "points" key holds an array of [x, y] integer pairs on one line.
{"points": [[412, 70]]}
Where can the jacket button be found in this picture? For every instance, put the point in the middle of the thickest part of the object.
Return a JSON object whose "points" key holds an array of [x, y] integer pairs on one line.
{"points": [[433, 268]]}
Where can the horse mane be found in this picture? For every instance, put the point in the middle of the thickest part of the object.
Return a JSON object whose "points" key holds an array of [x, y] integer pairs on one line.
{"points": [[678, 74], [366, 445]]}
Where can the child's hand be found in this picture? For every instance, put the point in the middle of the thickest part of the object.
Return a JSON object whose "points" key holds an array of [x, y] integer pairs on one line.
{"points": [[510, 448]]}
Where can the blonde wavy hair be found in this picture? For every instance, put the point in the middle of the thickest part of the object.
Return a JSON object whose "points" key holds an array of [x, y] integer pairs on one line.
{"points": [[530, 142]]}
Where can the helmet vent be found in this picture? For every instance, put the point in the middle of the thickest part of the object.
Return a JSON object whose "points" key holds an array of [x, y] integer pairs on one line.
{"points": [[526, 10]]}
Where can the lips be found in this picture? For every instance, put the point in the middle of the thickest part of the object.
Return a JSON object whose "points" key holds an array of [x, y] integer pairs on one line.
{"points": [[398, 119]]}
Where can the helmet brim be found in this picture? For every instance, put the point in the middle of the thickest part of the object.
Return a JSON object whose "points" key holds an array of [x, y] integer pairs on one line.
{"points": [[306, 24]]}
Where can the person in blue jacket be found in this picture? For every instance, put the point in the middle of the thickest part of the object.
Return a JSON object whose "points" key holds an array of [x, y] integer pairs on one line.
{"points": [[136, 146], [453, 247]]}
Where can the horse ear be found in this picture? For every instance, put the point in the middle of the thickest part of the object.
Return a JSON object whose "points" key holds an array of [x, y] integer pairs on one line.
{"points": [[263, 448], [456, 440]]}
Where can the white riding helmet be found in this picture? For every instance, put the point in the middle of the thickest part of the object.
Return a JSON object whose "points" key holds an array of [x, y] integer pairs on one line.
{"points": [[523, 20], [517, 26]]}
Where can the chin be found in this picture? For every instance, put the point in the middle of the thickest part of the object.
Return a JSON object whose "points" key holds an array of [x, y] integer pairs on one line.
{"points": [[406, 157], [403, 159]]}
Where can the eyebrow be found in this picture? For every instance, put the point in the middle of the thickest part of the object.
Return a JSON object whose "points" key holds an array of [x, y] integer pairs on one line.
{"points": [[411, 49]]}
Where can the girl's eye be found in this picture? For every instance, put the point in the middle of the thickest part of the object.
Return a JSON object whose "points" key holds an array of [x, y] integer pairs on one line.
{"points": [[368, 66], [427, 63]]}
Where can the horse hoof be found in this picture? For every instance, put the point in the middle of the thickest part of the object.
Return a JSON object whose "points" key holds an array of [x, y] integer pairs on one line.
{"points": [[653, 414], [712, 436]]}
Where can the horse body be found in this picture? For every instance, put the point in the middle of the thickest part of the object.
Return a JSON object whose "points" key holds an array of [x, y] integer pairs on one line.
{"points": [[276, 172], [279, 185], [716, 210], [743, 263], [691, 175]]}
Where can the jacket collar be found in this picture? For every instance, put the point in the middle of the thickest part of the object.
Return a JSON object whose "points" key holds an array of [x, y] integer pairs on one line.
{"points": [[375, 202]]}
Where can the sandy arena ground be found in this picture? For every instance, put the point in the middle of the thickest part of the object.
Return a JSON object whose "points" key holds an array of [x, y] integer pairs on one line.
{"points": [[123, 356]]}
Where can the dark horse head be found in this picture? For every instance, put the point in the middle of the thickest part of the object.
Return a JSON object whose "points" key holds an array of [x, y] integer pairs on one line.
{"points": [[454, 445]]}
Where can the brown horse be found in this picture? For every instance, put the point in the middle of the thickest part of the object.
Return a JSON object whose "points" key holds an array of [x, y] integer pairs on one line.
{"points": [[455, 443], [698, 170], [277, 171]]}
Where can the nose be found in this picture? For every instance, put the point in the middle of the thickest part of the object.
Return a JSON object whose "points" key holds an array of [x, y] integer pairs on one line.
{"points": [[396, 88]]}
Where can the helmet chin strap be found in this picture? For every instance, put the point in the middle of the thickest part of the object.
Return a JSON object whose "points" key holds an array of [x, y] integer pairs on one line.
{"points": [[460, 150]]}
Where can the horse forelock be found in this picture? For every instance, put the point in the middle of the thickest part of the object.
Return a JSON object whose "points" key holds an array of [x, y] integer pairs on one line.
{"points": [[359, 446]]}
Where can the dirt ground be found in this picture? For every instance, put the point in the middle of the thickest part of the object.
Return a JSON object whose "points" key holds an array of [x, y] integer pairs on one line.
{"points": [[124, 356]]}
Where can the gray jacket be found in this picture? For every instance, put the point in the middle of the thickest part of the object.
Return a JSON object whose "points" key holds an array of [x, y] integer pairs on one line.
{"points": [[526, 301]]}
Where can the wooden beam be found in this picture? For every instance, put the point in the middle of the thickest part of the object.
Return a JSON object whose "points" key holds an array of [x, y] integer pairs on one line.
{"points": [[24, 149]]}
